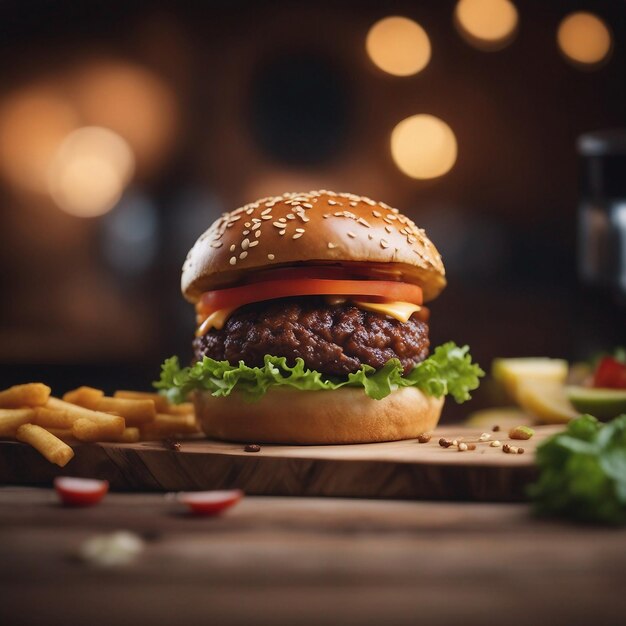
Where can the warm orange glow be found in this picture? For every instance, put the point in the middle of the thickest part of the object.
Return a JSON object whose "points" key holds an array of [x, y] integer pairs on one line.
{"points": [[133, 102], [584, 38], [90, 170], [398, 46], [33, 122], [423, 146], [486, 24]]}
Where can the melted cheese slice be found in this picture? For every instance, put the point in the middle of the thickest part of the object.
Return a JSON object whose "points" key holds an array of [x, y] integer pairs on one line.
{"points": [[217, 319], [401, 311]]}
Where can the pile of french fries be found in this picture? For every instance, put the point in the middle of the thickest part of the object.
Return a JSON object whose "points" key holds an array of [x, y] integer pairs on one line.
{"points": [[30, 414]]}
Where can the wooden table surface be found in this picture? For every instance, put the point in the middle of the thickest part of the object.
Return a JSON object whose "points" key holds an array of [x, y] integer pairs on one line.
{"points": [[306, 561]]}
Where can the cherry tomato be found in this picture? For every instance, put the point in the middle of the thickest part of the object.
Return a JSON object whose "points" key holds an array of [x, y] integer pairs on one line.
{"points": [[210, 502], [80, 491]]}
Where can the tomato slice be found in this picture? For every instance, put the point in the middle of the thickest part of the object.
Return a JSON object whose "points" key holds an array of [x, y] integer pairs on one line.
{"points": [[210, 502], [234, 297], [610, 374], [80, 491]]}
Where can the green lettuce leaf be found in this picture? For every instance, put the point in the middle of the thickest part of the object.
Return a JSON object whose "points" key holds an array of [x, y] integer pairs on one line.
{"points": [[583, 472], [449, 370]]}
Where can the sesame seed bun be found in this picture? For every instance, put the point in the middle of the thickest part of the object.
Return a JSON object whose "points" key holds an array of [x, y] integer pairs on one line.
{"points": [[297, 417], [317, 227]]}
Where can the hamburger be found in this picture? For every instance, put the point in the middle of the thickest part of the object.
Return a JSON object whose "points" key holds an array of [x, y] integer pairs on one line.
{"points": [[311, 325]]}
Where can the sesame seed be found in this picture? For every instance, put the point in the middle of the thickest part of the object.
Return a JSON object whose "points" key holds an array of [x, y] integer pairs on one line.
{"points": [[351, 234], [267, 217], [326, 216], [256, 226], [257, 233], [304, 219], [246, 232], [247, 225], [331, 245], [353, 203], [232, 248], [297, 236], [250, 211], [388, 229], [364, 222], [384, 243], [332, 202], [236, 218], [253, 243], [243, 255], [278, 224], [271, 257], [300, 230], [308, 205], [291, 216], [370, 237], [245, 243], [233, 260], [282, 232], [268, 210], [217, 244], [376, 214]]}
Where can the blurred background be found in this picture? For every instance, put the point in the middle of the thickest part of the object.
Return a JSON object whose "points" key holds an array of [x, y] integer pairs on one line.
{"points": [[127, 127]]}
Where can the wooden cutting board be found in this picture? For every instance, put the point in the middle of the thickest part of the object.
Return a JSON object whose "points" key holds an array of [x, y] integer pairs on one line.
{"points": [[399, 469]]}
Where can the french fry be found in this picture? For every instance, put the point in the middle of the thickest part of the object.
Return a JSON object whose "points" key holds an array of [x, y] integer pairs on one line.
{"points": [[65, 434], [112, 425], [186, 408], [135, 412], [161, 403], [12, 419], [87, 430], [86, 397], [166, 425], [19, 396], [51, 447], [53, 418], [130, 435]]}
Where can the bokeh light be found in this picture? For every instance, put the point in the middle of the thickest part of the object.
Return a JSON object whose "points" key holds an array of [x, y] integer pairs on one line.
{"points": [[398, 46], [132, 101], [423, 146], [486, 24], [90, 171], [33, 122], [584, 38]]}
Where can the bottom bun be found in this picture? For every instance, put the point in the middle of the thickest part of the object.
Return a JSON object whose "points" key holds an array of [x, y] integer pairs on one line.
{"points": [[318, 417]]}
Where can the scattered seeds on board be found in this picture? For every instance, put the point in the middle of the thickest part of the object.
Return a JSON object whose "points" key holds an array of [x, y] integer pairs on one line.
{"points": [[508, 449], [485, 437], [521, 432], [424, 438], [495, 443], [445, 443], [462, 447], [252, 447], [495, 428]]}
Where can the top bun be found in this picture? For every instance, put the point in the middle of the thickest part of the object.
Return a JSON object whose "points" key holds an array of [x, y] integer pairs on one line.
{"points": [[317, 227]]}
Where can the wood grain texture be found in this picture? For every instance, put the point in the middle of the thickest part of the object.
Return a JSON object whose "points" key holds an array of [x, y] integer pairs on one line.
{"points": [[307, 561], [400, 469]]}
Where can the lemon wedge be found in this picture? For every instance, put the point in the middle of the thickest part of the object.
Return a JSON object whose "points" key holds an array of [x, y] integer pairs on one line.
{"points": [[546, 400], [512, 373]]}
